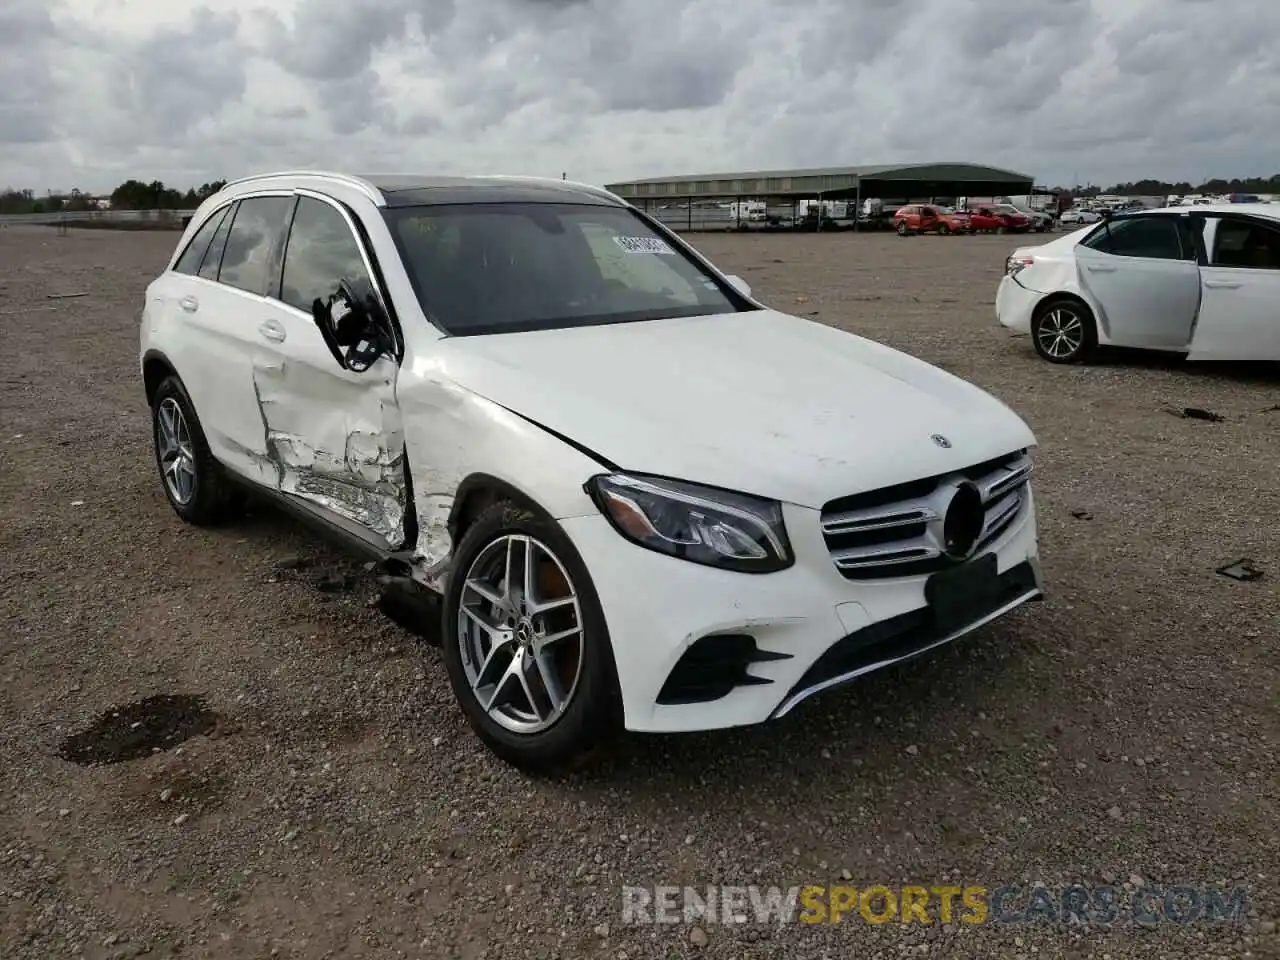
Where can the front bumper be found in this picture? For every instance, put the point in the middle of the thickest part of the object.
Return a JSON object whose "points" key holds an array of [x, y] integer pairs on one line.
{"points": [[795, 633], [1015, 305]]}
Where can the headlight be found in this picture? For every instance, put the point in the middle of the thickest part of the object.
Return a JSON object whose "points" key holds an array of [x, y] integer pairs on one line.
{"points": [[701, 524], [1015, 265]]}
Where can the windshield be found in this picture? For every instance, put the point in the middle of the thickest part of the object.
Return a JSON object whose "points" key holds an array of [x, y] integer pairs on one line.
{"points": [[508, 267]]}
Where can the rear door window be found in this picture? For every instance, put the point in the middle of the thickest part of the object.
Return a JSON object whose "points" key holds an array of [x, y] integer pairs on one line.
{"points": [[212, 258], [1242, 243]]}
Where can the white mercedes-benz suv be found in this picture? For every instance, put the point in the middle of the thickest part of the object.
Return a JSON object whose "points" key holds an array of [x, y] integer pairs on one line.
{"points": [[646, 500]]}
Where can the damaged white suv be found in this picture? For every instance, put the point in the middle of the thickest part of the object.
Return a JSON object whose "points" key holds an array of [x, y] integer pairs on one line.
{"points": [[648, 501]]}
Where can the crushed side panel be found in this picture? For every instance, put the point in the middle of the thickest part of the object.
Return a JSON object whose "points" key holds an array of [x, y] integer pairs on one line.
{"points": [[336, 441]]}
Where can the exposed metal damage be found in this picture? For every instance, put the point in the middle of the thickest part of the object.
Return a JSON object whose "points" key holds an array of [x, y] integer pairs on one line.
{"points": [[344, 454], [434, 549]]}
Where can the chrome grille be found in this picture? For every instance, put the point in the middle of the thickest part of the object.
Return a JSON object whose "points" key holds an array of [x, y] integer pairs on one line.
{"points": [[897, 531]]}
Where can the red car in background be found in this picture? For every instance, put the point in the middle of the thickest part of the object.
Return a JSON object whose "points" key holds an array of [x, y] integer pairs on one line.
{"points": [[999, 218], [929, 218]]}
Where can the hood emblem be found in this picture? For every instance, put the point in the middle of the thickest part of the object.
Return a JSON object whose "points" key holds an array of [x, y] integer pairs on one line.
{"points": [[941, 441]]}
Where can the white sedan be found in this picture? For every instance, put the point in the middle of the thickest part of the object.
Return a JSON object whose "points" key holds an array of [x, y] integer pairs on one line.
{"points": [[1204, 281], [1077, 215]]}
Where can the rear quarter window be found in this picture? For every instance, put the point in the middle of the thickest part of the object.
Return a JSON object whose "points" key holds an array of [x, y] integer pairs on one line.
{"points": [[194, 253]]}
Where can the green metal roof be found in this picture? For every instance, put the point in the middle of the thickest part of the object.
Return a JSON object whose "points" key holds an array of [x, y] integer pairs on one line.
{"points": [[817, 180]]}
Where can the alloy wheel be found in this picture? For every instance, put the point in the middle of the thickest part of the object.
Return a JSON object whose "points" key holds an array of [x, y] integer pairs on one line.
{"points": [[520, 633], [1061, 333], [175, 451]]}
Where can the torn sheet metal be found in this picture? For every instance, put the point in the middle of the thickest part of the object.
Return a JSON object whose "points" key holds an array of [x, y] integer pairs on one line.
{"points": [[452, 434], [336, 442]]}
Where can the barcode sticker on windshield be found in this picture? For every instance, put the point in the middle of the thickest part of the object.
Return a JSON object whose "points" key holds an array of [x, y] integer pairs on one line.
{"points": [[644, 245]]}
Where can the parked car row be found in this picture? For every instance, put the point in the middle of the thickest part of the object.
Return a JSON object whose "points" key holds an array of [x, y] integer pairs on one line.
{"points": [[1203, 281], [917, 218]]}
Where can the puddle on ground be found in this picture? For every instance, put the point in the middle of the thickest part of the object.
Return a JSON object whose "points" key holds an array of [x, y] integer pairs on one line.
{"points": [[139, 730]]}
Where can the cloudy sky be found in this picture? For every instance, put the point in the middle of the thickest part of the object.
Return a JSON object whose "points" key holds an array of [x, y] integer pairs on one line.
{"points": [[93, 92]]}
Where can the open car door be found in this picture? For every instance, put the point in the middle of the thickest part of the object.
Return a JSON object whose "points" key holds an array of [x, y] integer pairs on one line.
{"points": [[1142, 272], [1240, 304]]}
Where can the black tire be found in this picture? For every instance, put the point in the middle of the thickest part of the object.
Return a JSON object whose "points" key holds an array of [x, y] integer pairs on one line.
{"points": [[214, 499], [999, 230], [902, 228], [1057, 315], [593, 715], [943, 230]]}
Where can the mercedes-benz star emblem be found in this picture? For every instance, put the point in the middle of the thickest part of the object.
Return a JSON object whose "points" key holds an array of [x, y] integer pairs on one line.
{"points": [[524, 633], [941, 441], [962, 524]]}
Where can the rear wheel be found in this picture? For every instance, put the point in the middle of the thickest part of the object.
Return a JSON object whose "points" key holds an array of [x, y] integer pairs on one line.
{"points": [[193, 480], [526, 644], [1064, 331]]}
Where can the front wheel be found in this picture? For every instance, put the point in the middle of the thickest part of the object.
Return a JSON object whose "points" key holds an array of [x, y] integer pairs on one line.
{"points": [[526, 645], [902, 228], [1064, 331], [943, 230]]}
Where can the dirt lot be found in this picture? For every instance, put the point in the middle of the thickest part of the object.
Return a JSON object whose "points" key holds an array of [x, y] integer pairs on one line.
{"points": [[1126, 732]]}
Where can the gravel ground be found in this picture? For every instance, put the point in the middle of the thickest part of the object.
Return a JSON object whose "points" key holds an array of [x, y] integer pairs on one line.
{"points": [[332, 802]]}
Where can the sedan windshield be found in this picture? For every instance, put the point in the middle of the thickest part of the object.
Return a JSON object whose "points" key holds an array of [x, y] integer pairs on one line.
{"points": [[508, 267]]}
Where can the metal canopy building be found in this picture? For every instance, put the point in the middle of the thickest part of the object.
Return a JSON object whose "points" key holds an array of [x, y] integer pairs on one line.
{"points": [[898, 182]]}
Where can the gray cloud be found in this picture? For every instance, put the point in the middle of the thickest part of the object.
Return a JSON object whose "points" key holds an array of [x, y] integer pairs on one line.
{"points": [[176, 77], [27, 44], [608, 89]]}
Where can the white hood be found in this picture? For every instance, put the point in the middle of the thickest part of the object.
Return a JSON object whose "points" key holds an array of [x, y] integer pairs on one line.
{"points": [[758, 402]]}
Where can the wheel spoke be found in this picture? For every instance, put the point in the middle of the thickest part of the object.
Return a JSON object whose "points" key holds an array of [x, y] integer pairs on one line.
{"points": [[558, 604], [550, 682], [485, 591], [554, 638], [492, 630], [534, 707], [499, 687], [499, 645], [168, 439], [530, 565], [509, 576]]}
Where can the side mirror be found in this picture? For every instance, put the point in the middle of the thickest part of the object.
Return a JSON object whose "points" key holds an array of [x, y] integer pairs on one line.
{"points": [[354, 328], [739, 284]]}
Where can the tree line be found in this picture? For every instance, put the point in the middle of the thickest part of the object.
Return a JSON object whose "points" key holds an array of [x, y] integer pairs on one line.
{"points": [[1163, 188], [130, 195]]}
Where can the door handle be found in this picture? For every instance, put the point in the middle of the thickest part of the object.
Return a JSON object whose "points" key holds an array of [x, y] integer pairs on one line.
{"points": [[1099, 268], [1223, 284], [272, 330], [189, 304]]}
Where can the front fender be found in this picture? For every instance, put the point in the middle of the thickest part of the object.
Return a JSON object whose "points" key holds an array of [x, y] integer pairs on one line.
{"points": [[452, 434]]}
